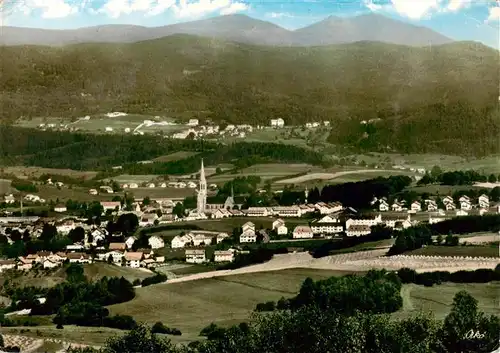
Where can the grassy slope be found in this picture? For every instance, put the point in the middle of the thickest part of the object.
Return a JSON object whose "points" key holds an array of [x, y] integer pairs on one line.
{"points": [[477, 250], [190, 306], [92, 271], [343, 83]]}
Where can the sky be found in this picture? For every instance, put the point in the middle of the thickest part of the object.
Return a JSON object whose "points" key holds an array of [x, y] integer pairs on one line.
{"points": [[477, 20]]}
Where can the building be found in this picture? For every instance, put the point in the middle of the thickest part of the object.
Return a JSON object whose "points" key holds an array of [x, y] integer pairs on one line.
{"points": [[221, 236], [111, 205], [9, 199], [195, 256], [364, 221], [280, 227], [258, 212], [106, 189], [277, 123], [448, 199], [484, 201], [461, 213], [116, 256], [357, 230], [450, 206], [383, 206], [416, 207], [201, 202], [223, 256], [287, 211], [156, 242], [6, 265], [302, 232], [133, 259], [47, 263], [248, 233], [117, 246], [465, 204], [432, 206], [397, 207], [329, 224], [130, 241], [390, 222], [60, 208], [76, 257]]}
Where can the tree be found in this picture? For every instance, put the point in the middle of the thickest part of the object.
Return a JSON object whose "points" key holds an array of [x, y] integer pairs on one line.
{"points": [[179, 210], [140, 339], [436, 171], [16, 235], [218, 170], [127, 223], [2, 344], [75, 273], [492, 178], [77, 235], [146, 201]]}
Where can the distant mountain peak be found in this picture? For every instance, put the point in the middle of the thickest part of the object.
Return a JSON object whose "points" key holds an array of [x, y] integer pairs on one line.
{"points": [[241, 28]]}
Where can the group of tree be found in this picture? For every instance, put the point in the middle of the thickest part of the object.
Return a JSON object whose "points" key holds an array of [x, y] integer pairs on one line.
{"points": [[468, 177], [415, 237]]}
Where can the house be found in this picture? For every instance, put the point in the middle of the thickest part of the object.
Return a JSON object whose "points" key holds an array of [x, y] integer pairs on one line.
{"points": [[248, 235], [111, 205], [416, 207], [432, 206], [147, 263], [6, 265], [193, 122], [133, 259], [78, 257], [223, 256], [257, 212], [248, 226], [93, 192], [448, 199], [464, 198], [60, 208], [364, 221], [221, 213], [181, 241], [397, 207], [221, 237], [106, 189], [73, 247], [24, 264], [327, 225], [130, 241], [357, 230], [279, 227], [484, 201], [277, 123], [9, 199], [116, 256], [302, 232], [117, 246], [47, 263], [465, 204], [133, 186], [433, 220], [148, 219], [383, 206], [450, 206], [390, 222], [287, 211], [42, 256], [156, 242], [195, 256]]}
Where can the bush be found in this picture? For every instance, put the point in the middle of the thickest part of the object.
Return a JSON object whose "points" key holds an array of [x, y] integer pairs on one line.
{"points": [[159, 327], [121, 322], [158, 278], [268, 306]]}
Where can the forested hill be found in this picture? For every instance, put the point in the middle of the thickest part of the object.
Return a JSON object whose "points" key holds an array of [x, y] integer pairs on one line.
{"points": [[416, 91], [19, 146]]}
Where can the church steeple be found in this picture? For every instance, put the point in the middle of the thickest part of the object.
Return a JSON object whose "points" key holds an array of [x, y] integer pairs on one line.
{"points": [[202, 173], [202, 192]]}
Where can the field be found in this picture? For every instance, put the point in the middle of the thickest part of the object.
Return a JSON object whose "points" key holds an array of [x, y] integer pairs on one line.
{"points": [[440, 189], [92, 271], [161, 192], [5, 186], [344, 176], [228, 300], [469, 250], [490, 164], [49, 192], [35, 172]]}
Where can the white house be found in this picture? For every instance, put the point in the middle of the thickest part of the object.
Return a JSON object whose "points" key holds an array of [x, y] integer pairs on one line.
{"points": [[9, 199], [287, 211], [106, 189], [223, 256], [257, 212], [156, 242], [416, 206], [391, 222], [7, 265], [116, 256], [450, 206], [111, 205], [484, 201], [279, 227], [195, 256], [448, 199], [327, 225], [432, 206], [465, 204], [397, 207], [277, 123], [60, 208], [93, 192], [248, 236], [50, 263], [221, 236], [133, 259], [357, 230], [366, 221], [181, 241], [129, 242], [302, 232], [81, 258], [193, 122], [383, 206]]}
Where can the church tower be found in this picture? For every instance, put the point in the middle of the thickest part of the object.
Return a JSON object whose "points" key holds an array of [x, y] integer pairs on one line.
{"points": [[202, 192], [306, 194]]}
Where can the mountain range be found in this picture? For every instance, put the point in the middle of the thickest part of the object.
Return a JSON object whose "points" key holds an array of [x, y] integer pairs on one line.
{"points": [[239, 28], [421, 99]]}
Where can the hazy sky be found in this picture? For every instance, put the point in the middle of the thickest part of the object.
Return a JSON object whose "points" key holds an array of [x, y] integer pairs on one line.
{"points": [[459, 19]]}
